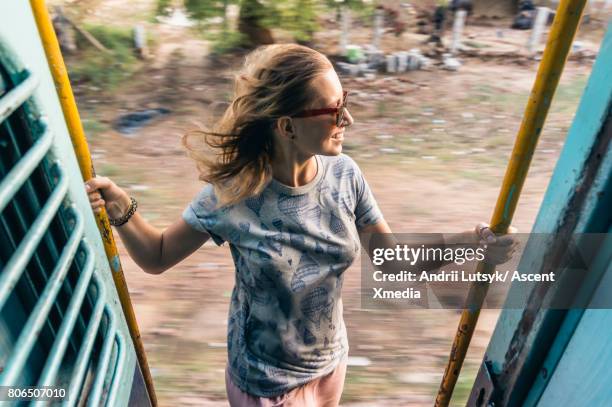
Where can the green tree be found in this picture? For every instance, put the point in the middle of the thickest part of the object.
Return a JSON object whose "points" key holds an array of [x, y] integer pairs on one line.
{"points": [[258, 17], [298, 17], [162, 7], [201, 10]]}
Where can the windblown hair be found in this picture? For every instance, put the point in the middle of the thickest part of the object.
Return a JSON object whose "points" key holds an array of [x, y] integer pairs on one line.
{"points": [[274, 82]]}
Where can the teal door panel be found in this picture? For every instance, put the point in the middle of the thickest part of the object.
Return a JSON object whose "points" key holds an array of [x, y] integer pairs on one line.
{"points": [[61, 323]]}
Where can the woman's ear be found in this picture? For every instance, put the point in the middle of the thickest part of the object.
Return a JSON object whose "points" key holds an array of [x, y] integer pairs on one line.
{"points": [[285, 127]]}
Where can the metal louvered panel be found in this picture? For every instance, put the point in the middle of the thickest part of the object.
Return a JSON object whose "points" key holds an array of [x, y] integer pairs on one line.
{"points": [[113, 393], [26, 234], [15, 98], [20, 172], [60, 320], [101, 371], [85, 352], [16, 265], [39, 315], [56, 353]]}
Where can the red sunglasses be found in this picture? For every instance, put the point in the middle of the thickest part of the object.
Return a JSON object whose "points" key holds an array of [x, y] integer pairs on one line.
{"points": [[338, 111]]}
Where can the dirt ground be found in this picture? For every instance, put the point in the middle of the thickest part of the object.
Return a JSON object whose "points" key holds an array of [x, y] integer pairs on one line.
{"points": [[433, 146]]}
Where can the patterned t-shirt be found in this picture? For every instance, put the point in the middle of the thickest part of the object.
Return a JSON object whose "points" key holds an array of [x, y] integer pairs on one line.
{"points": [[290, 247]]}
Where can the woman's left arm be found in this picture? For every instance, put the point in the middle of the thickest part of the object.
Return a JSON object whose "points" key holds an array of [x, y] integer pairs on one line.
{"points": [[500, 249]]}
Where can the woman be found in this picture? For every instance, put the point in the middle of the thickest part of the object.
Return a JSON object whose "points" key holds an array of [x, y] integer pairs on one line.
{"points": [[293, 209]]}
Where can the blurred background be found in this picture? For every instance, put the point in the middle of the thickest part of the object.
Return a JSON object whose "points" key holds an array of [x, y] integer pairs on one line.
{"points": [[433, 132]]}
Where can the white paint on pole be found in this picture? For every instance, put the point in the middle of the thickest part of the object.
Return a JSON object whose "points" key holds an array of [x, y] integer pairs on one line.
{"points": [[140, 41], [402, 61], [458, 30], [391, 63], [378, 28], [345, 25], [232, 13], [538, 29]]}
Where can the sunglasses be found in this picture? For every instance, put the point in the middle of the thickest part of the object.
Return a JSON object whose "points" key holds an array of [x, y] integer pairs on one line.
{"points": [[339, 111]]}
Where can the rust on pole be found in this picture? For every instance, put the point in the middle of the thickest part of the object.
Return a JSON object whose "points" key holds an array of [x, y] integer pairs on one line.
{"points": [[559, 42]]}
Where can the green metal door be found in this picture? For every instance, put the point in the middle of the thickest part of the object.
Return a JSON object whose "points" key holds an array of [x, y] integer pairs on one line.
{"points": [[61, 323]]}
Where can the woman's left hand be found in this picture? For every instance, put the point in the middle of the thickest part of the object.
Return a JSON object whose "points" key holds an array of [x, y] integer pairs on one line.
{"points": [[499, 249]]}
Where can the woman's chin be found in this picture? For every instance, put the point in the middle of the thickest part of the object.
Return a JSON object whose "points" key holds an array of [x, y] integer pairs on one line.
{"points": [[332, 150], [333, 146]]}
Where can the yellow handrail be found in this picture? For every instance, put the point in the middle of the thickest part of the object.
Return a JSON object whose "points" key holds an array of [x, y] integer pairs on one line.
{"points": [[555, 54], [79, 142]]}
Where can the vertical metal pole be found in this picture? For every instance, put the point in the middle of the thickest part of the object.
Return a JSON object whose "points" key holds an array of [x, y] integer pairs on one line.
{"points": [[345, 24], [537, 29], [81, 149], [458, 24], [402, 61], [557, 49], [391, 63], [231, 15], [378, 22]]}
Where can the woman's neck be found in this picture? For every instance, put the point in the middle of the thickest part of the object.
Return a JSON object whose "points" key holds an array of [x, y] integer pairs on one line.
{"points": [[293, 170]]}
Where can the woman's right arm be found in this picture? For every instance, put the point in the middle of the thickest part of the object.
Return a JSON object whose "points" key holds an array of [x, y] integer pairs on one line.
{"points": [[153, 250]]}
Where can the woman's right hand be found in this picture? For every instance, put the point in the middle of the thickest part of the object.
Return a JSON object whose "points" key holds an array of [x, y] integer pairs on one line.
{"points": [[103, 192]]}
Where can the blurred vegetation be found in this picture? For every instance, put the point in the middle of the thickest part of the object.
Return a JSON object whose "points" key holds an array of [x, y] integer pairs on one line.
{"points": [[362, 9], [568, 93], [200, 10], [163, 7], [104, 69], [224, 42], [109, 170], [93, 127], [464, 385], [296, 17]]}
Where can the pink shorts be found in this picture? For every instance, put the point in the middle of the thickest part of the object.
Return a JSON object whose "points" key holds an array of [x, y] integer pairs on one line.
{"points": [[322, 392]]}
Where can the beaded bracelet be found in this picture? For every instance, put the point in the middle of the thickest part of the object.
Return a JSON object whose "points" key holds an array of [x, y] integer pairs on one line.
{"points": [[123, 220]]}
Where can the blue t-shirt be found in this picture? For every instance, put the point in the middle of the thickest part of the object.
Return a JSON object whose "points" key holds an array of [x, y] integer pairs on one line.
{"points": [[290, 247]]}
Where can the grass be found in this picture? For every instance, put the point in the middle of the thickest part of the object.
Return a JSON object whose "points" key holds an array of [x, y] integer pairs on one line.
{"points": [[362, 385], [108, 170], [225, 42], [475, 44], [381, 108], [508, 102], [105, 70], [464, 386], [565, 100], [93, 127], [568, 95], [196, 368]]}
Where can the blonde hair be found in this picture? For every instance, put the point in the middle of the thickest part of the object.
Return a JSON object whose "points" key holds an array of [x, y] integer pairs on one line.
{"points": [[274, 82]]}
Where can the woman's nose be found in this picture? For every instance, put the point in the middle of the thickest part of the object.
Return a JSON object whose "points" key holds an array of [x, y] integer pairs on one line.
{"points": [[347, 120]]}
